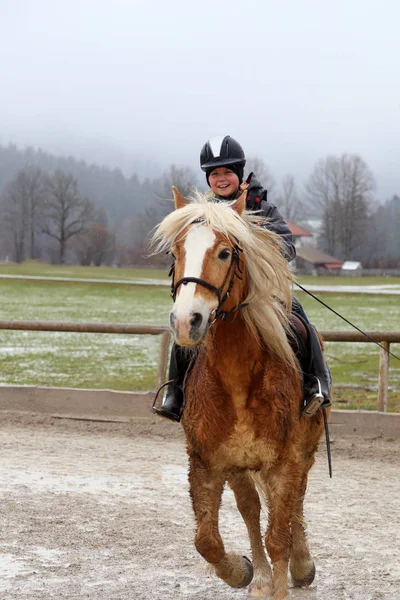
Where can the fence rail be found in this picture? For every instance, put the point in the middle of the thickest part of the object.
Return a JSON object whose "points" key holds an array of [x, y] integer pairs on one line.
{"points": [[113, 328], [385, 338]]}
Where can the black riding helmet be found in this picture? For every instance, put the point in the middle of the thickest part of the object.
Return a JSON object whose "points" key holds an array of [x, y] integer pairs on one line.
{"points": [[223, 152]]}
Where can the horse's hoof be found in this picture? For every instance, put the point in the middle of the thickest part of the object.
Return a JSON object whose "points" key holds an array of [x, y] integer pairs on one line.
{"points": [[249, 572], [304, 581], [235, 570]]}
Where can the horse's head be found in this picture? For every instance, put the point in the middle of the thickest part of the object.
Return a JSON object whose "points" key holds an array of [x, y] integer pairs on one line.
{"points": [[225, 259], [208, 276]]}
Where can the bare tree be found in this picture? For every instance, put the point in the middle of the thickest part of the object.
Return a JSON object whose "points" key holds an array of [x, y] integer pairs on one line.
{"points": [[22, 207], [134, 235], [67, 213], [33, 180], [383, 248], [343, 188], [183, 178], [256, 165], [133, 238], [288, 200], [94, 246], [13, 223]]}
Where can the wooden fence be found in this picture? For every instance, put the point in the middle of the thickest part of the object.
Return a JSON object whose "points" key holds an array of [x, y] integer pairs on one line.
{"points": [[383, 337]]}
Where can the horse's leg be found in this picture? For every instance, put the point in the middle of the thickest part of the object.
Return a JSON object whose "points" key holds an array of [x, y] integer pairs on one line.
{"points": [[302, 567], [282, 491], [206, 489], [248, 503]]}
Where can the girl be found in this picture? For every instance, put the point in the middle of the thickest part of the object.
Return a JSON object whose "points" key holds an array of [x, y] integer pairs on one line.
{"points": [[223, 160]]}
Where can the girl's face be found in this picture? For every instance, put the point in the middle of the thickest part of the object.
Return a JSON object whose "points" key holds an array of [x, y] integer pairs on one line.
{"points": [[223, 181]]}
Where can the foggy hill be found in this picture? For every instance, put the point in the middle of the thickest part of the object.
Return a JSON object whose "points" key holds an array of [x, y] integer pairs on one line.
{"points": [[109, 189]]}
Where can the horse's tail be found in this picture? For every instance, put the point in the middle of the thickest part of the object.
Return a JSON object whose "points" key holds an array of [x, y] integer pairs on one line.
{"points": [[261, 489], [263, 494]]}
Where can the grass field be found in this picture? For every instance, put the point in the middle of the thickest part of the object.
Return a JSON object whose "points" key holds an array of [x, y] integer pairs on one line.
{"points": [[38, 269], [130, 362]]}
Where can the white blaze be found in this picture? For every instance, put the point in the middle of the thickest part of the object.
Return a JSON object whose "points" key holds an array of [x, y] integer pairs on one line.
{"points": [[198, 241]]}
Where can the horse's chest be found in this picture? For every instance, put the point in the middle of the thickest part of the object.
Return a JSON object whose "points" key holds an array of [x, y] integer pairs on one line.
{"points": [[243, 450]]}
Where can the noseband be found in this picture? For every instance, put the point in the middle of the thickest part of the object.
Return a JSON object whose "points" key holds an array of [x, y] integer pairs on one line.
{"points": [[233, 271]]}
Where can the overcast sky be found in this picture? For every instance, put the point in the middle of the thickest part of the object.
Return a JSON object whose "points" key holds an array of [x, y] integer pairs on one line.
{"points": [[118, 80]]}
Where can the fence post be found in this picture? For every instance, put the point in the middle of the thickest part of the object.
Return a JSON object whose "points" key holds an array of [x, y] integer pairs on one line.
{"points": [[164, 358], [383, 377]]}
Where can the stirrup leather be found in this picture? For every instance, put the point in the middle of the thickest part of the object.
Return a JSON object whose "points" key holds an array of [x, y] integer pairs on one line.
{"points": [[314, 404]]}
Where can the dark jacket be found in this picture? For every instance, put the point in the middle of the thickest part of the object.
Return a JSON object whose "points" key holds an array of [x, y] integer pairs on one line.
{"points": [[276, 224]]}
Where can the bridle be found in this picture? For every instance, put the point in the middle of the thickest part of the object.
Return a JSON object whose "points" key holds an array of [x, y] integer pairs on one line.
{"points": [[233, 271]]}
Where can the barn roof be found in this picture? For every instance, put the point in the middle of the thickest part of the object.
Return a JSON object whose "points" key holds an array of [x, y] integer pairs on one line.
{"points": [[316, 257], [298, 231]]}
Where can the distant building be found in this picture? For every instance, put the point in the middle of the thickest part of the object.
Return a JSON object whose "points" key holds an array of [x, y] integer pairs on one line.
{"points": [[314, 262], [313, 226], [351, 267], [301, 236], [310, 260]]}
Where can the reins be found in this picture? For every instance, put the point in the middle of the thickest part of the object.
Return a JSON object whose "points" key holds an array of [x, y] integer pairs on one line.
{"points": [[346, 320]]}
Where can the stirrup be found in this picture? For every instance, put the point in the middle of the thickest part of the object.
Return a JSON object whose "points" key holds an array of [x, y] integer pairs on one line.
{"points": [[314, 404], [158, 410]]}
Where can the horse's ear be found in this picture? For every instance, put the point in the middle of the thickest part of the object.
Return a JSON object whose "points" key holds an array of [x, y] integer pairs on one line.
{"points": [[180, 201], [240, 203]]}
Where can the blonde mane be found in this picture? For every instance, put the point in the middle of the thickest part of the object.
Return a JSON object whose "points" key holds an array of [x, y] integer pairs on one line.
{"points": [[268, 273]]}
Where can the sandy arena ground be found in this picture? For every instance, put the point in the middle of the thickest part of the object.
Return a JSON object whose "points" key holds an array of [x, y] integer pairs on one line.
{"points": [[101, 511]]}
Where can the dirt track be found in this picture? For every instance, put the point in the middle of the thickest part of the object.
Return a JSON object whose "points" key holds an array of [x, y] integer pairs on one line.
{"points": [[101, 511]]}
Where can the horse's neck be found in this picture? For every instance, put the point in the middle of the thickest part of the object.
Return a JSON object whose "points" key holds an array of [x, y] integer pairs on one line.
{"points": [[234, 353]]}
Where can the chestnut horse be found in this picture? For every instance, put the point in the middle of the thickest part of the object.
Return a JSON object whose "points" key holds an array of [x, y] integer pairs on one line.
{"points": [[232, 292]]}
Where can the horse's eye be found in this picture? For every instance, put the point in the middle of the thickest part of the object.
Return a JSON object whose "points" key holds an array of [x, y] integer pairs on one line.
{"points": [[224, 255]]}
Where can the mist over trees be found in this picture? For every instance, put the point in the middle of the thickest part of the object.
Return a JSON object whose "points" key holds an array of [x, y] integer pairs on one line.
{"points": [[256, 165], [343, 187], [289, 202], [58, 209], [108, 189], [383, 249]]}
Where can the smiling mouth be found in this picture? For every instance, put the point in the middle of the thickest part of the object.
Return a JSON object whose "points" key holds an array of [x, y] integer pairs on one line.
{"points": [[224, 185]]}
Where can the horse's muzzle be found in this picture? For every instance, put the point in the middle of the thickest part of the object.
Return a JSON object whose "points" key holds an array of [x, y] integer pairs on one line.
{"points": [[190, 329]]}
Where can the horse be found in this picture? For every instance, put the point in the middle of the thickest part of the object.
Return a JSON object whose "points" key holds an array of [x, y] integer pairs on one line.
{"points": [[242, 418]]}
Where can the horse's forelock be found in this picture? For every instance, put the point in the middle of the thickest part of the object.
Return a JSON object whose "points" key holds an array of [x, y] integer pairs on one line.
{"points": [[218, 216]]}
